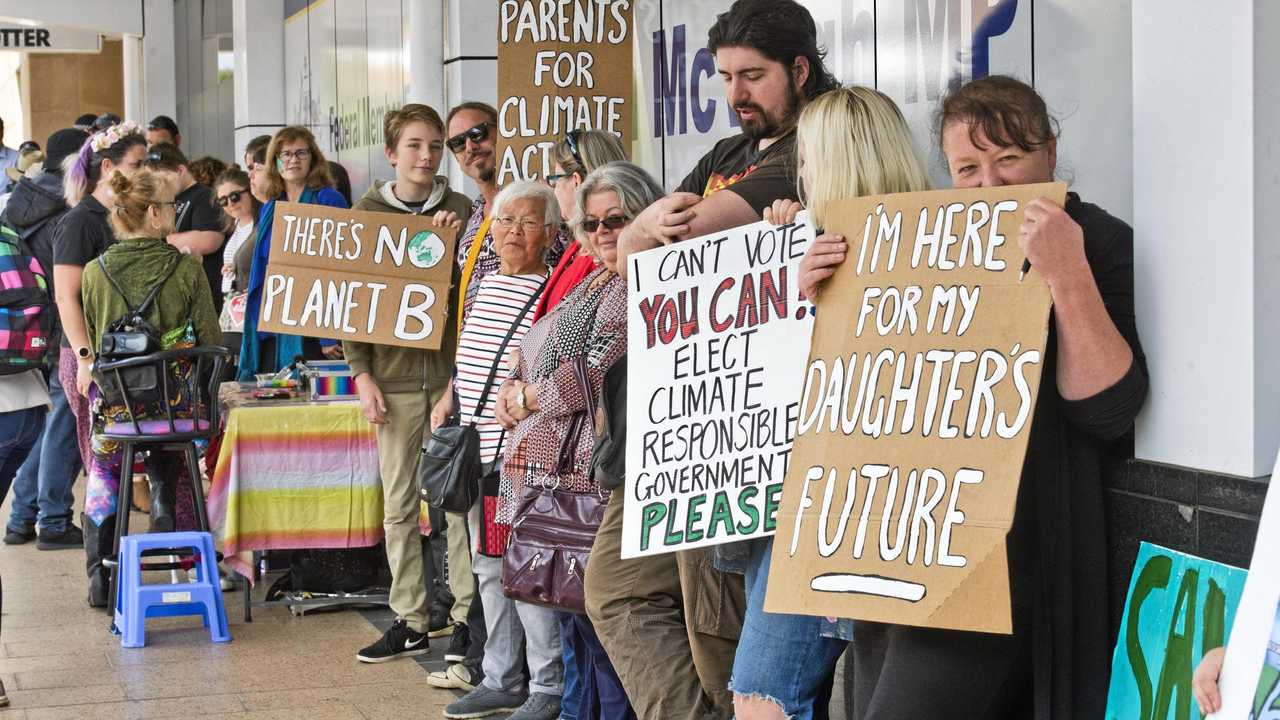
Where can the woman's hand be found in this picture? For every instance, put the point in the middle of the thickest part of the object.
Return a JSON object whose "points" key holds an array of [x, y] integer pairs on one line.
{"points": [[372, 404], [333, 352], [820, 263], [1053, 242], [446, 219], [503, 404], [782, 211], [1204, 683], [84, 376], [442, 410]]}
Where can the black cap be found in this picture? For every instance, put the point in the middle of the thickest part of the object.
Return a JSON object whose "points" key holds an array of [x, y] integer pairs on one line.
{"points": [[164, 122], [105, 120], [62, 143], [85, 121]]}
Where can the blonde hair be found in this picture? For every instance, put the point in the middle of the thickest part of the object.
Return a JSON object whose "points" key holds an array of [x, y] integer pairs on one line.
{"points": [[317, 177], [596, 147], [856, 143], [133, 196]]}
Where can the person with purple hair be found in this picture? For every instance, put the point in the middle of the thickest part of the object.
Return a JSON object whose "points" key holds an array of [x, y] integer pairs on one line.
{"points": [[82, 236]]}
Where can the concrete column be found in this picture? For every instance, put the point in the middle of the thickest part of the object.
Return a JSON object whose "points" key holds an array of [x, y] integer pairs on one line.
{"points": [[134, 80], [258, 42], [159, 58], [470, 64], [1206, 125], [424, 53]]}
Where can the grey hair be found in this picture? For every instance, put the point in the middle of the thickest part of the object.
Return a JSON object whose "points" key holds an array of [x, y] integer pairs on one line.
{"points": [[636, 189], [530, 190]]}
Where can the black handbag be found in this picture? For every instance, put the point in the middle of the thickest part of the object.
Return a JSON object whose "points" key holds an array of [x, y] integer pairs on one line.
{"points": [[449, 470], [131, 336]]}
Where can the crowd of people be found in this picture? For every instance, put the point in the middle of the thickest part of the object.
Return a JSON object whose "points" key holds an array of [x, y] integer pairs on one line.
{"points": [[534, 358]]}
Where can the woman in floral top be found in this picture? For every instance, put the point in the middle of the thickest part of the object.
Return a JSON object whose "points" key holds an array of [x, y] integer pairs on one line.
{"points": [[581, 337]]}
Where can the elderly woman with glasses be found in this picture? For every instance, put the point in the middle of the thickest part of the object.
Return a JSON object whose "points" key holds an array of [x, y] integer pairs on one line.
{"points": [[582, 337], [526, 218]]}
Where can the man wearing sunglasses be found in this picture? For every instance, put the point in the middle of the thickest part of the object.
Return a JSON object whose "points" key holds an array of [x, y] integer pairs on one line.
{"points": [[472, 138], [199, 221]]}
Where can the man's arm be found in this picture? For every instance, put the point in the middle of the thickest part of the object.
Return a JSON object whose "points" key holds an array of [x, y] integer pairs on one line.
{"points": [[197, 242]]}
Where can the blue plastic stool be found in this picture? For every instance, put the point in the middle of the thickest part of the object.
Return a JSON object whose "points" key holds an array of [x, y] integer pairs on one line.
{"points": [[136, 602]]}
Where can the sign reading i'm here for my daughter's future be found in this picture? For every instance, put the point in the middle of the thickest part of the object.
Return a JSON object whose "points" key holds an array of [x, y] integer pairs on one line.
{"points": [[353, 275], [719, 338], [915, 414]]}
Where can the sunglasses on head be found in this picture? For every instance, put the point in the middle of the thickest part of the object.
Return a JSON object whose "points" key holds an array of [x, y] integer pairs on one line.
{"points": [[613, 222], [230, 198], [477, 134], [572, 141]]}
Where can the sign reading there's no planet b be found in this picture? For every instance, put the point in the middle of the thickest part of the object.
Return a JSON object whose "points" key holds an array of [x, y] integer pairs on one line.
{"points": [[719, 338], [915, 414], [352, 275]]}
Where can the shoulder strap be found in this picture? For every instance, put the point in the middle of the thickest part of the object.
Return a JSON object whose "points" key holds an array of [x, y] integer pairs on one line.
{"points": [[142, 309], [116, 286], [473, 254], [502, 348]]}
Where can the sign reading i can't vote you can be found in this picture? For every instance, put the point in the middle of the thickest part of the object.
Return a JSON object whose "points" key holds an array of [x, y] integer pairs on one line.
{"points": [[915, 414], [561, 66], [719, 337], [353, 275]]}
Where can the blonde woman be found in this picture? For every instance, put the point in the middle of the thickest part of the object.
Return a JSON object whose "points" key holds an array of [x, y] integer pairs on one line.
{"points": [[849, 142]]}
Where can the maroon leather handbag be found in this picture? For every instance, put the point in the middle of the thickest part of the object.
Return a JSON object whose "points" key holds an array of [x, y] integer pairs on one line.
{"points": [[553, 529]]}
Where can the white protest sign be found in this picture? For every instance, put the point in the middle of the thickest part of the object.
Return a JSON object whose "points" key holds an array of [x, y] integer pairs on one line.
{"points": [[719, 338]]}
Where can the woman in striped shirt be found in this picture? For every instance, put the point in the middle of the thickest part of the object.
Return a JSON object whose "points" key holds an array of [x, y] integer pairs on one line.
{"points": [[526, 219]]}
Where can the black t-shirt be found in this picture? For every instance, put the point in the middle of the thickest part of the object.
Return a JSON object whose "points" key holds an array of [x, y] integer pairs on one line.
{"points": [[82, 235], [757, 176], [196, 211], [415, 206]]}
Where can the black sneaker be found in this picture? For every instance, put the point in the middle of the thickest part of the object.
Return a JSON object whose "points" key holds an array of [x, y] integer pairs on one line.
{"points": [[19, 537], [397, 642], [458, 644], [67, 539]]}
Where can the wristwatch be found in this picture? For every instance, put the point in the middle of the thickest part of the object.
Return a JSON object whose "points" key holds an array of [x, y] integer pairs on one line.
{"points": [[520, 399]]}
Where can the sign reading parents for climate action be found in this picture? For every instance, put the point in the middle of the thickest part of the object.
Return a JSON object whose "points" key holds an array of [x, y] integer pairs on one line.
{"points": [[718, 337], [351, 275], [915, 413], [561, 66]]}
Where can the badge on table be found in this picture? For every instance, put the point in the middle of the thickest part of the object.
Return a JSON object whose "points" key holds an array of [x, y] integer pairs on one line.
{"points": [[915, 413]]}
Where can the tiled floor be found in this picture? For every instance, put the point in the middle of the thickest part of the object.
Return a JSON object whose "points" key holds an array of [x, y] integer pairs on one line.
{"points": [[58, 660]]}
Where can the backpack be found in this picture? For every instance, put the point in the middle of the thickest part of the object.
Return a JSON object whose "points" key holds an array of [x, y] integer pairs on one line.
{"points": [[27, 313], [130, 336]]}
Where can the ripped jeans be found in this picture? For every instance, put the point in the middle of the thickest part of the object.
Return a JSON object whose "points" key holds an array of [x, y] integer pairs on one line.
{"points": [[783, 658]]}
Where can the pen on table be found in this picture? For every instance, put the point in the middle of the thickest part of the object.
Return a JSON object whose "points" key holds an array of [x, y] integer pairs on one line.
{"points": [[1026, 265]]}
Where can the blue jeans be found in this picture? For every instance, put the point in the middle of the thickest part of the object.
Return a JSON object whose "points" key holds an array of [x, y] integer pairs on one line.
{"points": [[19, 431], [572, 698], [42, 488], [783, 658]]}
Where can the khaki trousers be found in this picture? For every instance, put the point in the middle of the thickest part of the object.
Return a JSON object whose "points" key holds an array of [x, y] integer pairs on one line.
{"points": [[639, 614], [462, 581], [399, 446]]}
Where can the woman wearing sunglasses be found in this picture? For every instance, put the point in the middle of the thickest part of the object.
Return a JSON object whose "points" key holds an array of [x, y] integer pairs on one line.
{"points": [[239, 212], [575, 157], [297, 172]]}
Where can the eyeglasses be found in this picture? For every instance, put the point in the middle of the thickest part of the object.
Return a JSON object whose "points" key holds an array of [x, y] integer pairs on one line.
{"points": [[613, 222], [165, 203], [572, 141], [230, 198], [557, 177], [477, 134], [299, 154], [527, 226]]}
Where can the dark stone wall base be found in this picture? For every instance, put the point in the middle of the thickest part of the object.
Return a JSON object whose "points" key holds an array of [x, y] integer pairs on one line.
{"points": [[1200, 513]]}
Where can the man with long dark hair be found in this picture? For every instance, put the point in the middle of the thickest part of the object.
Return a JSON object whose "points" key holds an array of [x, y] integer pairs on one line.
{"points": [[676, 664]]}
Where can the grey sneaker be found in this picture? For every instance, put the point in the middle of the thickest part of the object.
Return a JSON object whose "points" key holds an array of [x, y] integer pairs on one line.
{"points": [[483, 702], [539, 706]]}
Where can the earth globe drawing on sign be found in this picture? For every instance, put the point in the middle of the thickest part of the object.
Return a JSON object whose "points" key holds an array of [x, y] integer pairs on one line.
{"points": [[426, 249]]}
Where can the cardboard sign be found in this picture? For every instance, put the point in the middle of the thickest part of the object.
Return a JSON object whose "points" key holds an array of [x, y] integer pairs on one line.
{"points": [[561, 66], [1178, 607], [915, 414], [721, 337], [352, 275], [1250, 681]]}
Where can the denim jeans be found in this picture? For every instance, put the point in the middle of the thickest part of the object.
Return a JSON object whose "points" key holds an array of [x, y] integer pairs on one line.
{"points": [[19, 431], [42, 489], [783, 658], [572, 698]]}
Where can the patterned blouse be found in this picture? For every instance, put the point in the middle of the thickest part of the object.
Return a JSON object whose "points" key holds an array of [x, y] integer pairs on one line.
{"points": [[589, 324]]}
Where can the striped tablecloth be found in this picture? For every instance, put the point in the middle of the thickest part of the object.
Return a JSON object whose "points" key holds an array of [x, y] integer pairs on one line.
{"points": [[294, 477]]}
